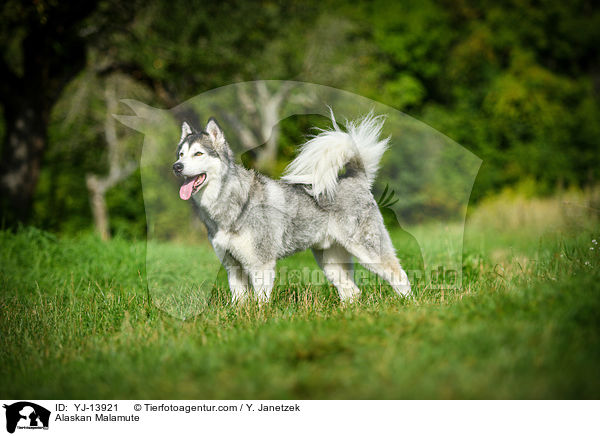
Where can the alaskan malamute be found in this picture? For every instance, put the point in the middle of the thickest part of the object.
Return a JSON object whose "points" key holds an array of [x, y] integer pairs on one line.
{"points": [[323, 202]]}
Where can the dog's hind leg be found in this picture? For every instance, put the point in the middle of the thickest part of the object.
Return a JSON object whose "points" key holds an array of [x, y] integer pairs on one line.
{"points": [[262, 279], [337, 265], [390, 270], [381, 259]]}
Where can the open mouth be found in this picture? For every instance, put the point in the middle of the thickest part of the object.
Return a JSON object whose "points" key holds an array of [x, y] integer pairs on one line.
{"points": [[191, 185]]}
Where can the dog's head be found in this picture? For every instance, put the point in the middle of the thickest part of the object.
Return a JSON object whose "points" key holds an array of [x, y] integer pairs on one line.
{"points": [[202, 158]]}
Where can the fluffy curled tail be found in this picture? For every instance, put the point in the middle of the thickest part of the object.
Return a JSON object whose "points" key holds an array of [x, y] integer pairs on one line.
{"points": [[323, 156]]}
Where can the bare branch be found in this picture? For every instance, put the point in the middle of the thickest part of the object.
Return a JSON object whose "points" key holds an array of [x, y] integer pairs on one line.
{"points": [[283, 91], [246, 100], [262, 91], [247, 136]]}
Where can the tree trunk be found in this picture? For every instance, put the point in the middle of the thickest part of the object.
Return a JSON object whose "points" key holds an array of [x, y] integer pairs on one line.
{"points": [[22, 153], [98, 205], [53, 52]]}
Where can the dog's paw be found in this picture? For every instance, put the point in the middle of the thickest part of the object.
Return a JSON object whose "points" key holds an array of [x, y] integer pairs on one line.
{"points": [[404, 291]]}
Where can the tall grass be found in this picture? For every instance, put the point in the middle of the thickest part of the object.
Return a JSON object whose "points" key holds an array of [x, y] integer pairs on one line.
{"points": [[77, 321]]}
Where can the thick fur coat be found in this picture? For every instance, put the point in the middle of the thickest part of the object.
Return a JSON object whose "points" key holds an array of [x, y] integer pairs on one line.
{"points": [[323, 202]]}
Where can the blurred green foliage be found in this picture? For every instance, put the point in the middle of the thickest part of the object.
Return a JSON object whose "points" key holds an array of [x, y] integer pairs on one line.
{"points": [[516, 82]]}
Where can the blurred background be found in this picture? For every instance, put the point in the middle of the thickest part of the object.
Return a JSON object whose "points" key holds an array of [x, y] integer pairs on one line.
{"points": [[515, 82]]}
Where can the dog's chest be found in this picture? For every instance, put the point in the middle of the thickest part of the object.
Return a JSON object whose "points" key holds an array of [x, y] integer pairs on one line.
{"points": [[220, 242]]}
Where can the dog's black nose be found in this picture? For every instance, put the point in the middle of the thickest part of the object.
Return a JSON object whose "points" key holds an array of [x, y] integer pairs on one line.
{"points": [[178, 167]]}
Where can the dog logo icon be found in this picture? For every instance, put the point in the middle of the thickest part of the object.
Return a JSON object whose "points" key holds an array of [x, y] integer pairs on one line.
{"points": [[26, 415]]}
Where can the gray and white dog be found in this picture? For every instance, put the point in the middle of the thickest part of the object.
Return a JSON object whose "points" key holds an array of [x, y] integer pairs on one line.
{"points": [[323, 202]]}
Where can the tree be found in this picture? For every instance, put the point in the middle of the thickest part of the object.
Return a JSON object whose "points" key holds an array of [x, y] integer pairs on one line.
{"points": [[46, 46], [52, 52], [263, 109], [119, 167]]}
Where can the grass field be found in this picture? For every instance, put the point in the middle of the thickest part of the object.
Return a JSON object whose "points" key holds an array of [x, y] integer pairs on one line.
{"points": [[76, 322]]}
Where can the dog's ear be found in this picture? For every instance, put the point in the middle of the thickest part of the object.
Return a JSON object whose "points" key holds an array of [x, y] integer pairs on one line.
{"points": [[217, 136], [215, 132], [185, 131]]}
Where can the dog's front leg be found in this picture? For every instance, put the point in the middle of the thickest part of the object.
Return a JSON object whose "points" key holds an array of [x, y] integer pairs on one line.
{"points": [[262, 279], [238, 279], [238, 283]]}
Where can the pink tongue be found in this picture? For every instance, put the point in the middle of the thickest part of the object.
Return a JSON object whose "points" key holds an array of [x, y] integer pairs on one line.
{"points": [[185, 192]]}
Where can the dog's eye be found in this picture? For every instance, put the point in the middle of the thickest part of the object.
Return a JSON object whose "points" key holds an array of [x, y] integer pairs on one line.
{"points": [[181, 154], [198, 153]]}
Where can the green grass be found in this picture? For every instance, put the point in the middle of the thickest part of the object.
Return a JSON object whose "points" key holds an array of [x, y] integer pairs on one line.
{"points": [[76, 322]]}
